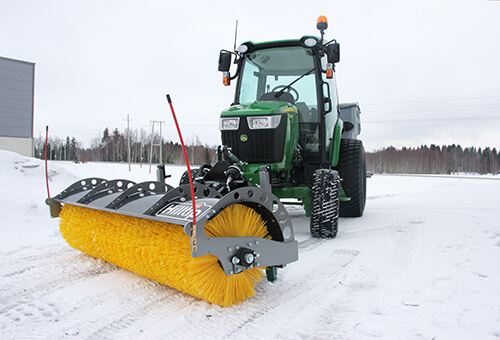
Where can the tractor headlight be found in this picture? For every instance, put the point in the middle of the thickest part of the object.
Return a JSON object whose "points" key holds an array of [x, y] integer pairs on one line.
{"points": [[229, 123], [269, 122]]}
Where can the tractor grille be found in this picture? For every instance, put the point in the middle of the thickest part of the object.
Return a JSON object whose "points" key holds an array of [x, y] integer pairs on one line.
{"points": [[260, 146]]}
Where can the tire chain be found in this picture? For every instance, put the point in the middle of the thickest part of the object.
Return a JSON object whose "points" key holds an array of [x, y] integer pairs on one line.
{"points": [[325, 203]]}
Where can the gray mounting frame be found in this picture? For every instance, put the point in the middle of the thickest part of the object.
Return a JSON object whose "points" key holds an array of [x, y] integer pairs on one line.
{"points": [[160, 202]]}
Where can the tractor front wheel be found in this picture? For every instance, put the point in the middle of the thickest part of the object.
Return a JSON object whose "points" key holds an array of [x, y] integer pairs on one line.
{"points": [[325, 203]]}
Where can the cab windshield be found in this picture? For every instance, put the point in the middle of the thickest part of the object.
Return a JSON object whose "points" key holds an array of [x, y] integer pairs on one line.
{"points": [[269, 72]]}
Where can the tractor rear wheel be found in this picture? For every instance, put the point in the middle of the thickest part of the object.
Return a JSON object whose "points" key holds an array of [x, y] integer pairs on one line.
{"points": [[325, 203], [352, 170]]}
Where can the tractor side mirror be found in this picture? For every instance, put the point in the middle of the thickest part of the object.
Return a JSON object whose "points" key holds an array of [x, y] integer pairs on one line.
{"points": [[224, 66], [224, 61], [333, 52]]}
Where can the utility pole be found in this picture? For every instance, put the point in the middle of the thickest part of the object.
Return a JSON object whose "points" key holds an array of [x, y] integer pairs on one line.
{"points": [[153, 122], [142, 144], [161, 143], [152, 142], [128, 137]]}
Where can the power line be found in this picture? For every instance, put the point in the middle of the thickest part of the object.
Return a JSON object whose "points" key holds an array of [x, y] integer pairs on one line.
{"points": [[395, 110], [430, 120], [434, 101]]}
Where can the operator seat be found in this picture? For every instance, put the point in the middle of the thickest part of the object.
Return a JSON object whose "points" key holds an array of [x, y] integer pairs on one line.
{"points": [[283, 97], [304, 113]]}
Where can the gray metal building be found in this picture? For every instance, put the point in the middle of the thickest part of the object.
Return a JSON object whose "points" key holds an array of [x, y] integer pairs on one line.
{"points": [[17, 87]]}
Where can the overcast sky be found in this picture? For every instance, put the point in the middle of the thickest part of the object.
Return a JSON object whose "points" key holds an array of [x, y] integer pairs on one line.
{"points": [[423, 72]]}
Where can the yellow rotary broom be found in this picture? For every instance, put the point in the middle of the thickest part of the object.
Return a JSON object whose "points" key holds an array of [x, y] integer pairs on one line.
{"points": [[161, 251], [148, 228]]}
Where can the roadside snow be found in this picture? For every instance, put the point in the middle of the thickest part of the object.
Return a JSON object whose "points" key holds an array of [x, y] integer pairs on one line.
{"points": [[420, 263]]}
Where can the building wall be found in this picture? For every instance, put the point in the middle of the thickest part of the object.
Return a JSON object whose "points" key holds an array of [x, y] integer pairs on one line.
{"points": [[17, 80], [23, 146]]}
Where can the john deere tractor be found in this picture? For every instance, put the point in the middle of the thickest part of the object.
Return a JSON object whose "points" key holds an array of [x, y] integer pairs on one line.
{"points": [[286, 117]]}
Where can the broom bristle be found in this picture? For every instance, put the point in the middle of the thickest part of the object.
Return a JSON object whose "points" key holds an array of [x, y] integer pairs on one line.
{"points": [[161, 251]]}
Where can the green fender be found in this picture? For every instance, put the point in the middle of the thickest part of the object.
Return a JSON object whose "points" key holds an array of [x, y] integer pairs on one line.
{"points": [[334, 151], [334, 154]]}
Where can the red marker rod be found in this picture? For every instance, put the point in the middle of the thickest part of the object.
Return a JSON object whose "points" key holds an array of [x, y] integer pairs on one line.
{"points": [[46, 167], [193, 238]]}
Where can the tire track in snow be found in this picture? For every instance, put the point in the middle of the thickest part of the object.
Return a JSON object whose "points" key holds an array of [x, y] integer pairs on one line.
{"points": [[43, 272], [339, 317], [291, 304], [324, 299], [116, 308], [284, 299], [99, 307], [16, 263], [274, 302], [303, 235], [165, 303], [310, 244], [366, 231], [109, 305]]}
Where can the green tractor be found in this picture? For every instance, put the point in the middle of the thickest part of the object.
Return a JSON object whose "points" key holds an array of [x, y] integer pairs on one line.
{"points": [[286, 118]]}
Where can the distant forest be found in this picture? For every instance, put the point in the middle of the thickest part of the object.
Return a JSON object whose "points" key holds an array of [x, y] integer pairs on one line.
{"points": [[434, 160], [113, 147]]}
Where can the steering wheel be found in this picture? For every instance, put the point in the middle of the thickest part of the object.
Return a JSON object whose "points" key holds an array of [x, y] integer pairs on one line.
{"points": [[289, 89]]}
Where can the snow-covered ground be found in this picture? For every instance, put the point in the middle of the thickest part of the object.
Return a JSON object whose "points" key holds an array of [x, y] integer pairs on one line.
{"points": [[423, 262]]}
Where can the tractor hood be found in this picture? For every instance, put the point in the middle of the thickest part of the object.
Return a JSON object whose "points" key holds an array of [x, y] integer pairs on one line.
{"points": [[262, 108]]}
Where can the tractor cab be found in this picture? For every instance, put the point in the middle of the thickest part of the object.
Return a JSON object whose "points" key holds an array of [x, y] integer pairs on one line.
{"points": [[285, 106], [286, 74]]}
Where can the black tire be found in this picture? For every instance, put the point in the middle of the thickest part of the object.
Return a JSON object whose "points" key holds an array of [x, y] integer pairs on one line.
{"points": [[352, 170], [325, 203]]}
